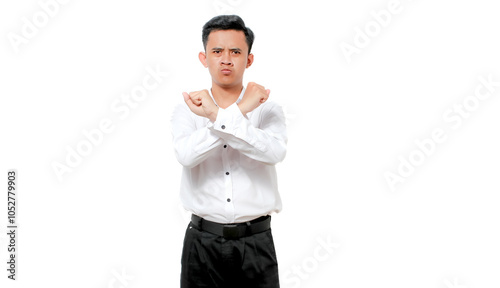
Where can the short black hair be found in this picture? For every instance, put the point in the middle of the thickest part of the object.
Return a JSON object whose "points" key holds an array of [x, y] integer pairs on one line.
{"points": [[227, 22]]}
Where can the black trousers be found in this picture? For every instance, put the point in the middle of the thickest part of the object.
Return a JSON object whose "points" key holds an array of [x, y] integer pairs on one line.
{"points": [[212, 261]]}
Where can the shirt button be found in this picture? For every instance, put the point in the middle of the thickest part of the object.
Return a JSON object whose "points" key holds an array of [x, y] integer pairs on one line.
{"points": [[227, 173], [223, 127], [228, 200]]}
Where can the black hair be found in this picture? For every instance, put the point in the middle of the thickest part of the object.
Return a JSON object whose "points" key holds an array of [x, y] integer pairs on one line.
{"points": [[227, 22]]}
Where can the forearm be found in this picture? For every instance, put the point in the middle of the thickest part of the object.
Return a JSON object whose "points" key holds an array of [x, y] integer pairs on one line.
{"points": [[263, 140], [192, 144], [193, 149], [268, 149]]}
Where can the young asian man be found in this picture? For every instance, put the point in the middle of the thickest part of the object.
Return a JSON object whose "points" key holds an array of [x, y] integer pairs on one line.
{"points": [[229, 139]]}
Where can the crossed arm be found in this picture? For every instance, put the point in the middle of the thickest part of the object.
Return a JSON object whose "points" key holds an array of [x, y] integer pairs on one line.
{"points": [[264, 142]]}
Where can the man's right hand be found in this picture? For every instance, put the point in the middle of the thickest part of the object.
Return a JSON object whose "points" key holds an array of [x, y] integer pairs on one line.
{"points": [[201, 104], [255, 95]]}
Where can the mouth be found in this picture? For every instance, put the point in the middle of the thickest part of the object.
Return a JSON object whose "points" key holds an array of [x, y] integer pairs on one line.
{"points": [[226, 71]]}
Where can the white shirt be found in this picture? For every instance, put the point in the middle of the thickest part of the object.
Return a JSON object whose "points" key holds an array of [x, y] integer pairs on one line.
{"points": [[229, 173]]}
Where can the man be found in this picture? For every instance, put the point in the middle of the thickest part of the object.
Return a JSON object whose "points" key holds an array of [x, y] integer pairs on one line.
{"points": [[229, 139]]}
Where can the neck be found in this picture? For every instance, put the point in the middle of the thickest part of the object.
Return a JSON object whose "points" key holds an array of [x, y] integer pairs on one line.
{"points": [[225, 96]]}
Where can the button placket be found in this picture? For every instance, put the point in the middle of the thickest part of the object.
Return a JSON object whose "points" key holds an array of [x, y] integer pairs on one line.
{"points": [[229, 207]]}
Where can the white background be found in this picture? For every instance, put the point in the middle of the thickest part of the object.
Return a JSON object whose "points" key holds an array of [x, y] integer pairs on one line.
{"points": [[350, 122]]}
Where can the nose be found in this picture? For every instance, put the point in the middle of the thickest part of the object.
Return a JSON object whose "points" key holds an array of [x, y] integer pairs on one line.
{"points": [[226, 59]]}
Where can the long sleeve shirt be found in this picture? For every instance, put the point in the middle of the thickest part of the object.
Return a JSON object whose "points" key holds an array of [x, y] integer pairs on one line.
{"points": [[229, 173]]}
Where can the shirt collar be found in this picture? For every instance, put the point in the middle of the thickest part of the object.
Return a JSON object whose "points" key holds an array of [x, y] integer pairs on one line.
{"points": [[237, 101]]}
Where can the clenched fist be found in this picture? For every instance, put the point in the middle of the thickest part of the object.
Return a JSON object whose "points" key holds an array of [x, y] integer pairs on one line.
{"points": [[201, 104], [255, 95]]}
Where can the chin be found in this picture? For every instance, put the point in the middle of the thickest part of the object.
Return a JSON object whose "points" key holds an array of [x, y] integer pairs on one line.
{"points": [[226, 83]]}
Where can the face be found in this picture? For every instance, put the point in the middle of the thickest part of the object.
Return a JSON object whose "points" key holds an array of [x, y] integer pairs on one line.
{"points": [[226, 57]]}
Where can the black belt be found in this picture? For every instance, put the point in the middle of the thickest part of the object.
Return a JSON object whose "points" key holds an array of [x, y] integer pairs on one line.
{"points": [[234, 230]]}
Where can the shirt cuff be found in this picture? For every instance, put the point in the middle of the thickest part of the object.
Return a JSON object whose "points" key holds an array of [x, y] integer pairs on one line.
{"points": [[229, 121]]}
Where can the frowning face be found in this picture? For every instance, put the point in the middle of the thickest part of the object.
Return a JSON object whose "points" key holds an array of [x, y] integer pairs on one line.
{"points": [[226, 57]]}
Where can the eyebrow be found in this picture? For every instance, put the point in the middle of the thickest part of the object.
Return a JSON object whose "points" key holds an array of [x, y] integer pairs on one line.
{"points": [[231, 49]]}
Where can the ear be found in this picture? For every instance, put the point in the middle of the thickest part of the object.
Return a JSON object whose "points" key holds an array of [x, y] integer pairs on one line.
{"points": [[203, 59], [249, 60]]}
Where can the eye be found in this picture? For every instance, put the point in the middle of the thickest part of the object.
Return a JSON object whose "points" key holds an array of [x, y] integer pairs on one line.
{"points": [[216, 51], [236, 52]]}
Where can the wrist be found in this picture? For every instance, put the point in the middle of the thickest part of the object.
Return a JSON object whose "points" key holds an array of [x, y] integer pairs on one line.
{"points": [[212, 115], [243, 108]]}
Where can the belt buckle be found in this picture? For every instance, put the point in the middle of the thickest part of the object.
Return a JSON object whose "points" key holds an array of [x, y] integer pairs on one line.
{"points": [[231, 231]]}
